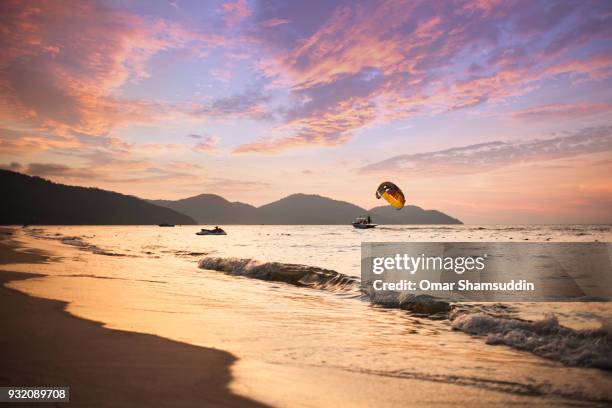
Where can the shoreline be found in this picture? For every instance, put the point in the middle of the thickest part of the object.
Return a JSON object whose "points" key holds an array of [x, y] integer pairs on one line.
{"points": [[44, 345]]}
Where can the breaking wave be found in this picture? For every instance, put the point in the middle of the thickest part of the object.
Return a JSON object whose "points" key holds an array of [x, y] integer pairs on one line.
{"points": [[545, 338], [295, 274], [320, 278], [417, 304], [84, 245], [75, 241]]}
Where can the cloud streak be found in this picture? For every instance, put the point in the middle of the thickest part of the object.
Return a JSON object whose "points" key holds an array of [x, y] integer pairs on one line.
{"points": [[207, 144], [562, 111], [478, 158], [250, 103]]}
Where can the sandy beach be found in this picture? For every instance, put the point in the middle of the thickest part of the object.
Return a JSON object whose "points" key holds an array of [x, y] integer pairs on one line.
{"points": [[44, 345]]}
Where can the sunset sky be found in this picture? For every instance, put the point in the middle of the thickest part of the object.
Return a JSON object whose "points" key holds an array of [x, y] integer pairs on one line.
{"points": [[491, 111]]}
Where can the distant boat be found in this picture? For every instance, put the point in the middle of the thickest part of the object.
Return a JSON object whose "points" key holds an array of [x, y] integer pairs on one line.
{"points": [[214, 231], [164, 224], [363, 223]]}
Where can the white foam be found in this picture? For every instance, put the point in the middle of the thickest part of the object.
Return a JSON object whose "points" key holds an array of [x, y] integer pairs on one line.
{"points": [[545, 338], [295, 274]]}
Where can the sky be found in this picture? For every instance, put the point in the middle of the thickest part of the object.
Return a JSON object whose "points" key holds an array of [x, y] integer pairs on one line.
{"points": [[494, 112]]}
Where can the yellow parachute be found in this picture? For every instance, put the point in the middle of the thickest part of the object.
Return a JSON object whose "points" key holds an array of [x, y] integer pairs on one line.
{"points": [[392, 194]]}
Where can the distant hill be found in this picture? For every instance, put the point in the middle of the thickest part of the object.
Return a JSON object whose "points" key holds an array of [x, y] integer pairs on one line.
{"points": [[410, 214], [298, 209], [33, 200], [308, 209], [211, 209]]}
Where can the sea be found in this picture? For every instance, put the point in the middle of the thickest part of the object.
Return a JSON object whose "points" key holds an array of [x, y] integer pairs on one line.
{"points": [[214, 291]]}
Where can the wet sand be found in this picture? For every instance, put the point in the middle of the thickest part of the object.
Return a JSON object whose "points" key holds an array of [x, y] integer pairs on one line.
{"points": [[42, 345]]}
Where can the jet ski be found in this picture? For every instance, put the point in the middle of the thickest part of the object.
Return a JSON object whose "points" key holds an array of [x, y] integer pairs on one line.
{"points": [[214, 231]]}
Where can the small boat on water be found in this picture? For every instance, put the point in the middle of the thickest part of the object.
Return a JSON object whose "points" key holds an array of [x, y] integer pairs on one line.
{"points": [[214, 231], [165, 224], [363, 223]]}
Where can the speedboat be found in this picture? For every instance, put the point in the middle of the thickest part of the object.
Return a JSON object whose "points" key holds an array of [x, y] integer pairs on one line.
{"points": [[363, 223], [214, 231]]}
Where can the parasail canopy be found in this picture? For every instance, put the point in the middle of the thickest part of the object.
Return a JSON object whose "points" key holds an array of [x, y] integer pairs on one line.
{"points": [[392, 194]]}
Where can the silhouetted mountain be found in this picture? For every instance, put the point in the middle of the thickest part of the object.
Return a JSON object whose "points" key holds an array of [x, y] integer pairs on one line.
{"points": [[298, 209], [410, 214], [33, 200], [211, 209], [308, 209]]}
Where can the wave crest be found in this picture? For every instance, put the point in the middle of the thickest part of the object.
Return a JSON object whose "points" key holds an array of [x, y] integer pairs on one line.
{"points": [[417, 304], [295, 274], [545, 338]]}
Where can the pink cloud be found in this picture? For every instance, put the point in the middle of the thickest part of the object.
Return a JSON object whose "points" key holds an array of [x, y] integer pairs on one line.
{"points": [[24, 143], [62, 64], [405, 58], [273, 22], [207, 144], [563, 111], [159, 147], [331, 128], [236, 11]]}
